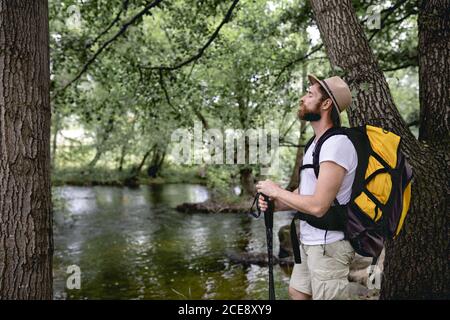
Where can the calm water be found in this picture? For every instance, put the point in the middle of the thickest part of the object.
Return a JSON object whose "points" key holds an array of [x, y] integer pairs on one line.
{"points": [[133, 244]]}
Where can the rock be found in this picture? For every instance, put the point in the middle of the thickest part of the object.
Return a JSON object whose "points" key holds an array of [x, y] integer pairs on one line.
{"points": [[131, 182], [356, 290], [285, 255], [284, 235], [360, 262]]}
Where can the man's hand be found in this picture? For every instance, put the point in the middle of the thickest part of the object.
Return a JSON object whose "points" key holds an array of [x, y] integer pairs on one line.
{"points": [[279, 206], [269, 188], [263, 205]]}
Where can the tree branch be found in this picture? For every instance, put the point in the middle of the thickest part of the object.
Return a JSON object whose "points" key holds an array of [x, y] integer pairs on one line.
{"points": [[284, 143], [290, 64], [107, 43], [166, 94], [116, 19], [288, 129], [202, 49], [402, 66]]}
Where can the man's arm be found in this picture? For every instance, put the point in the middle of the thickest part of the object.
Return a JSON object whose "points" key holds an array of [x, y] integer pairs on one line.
{"points": [[281, 206], [329, 182]]}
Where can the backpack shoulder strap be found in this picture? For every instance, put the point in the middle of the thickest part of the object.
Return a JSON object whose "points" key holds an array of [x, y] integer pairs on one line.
{"points": [[333, 131], [306, 166], [310, 141]]}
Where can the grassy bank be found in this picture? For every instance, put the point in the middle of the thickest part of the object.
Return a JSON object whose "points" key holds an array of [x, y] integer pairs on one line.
{"points": [[80, 176]]}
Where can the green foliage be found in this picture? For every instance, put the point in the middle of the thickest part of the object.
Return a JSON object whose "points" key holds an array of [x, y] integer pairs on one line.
{"points": [[250, 76]]}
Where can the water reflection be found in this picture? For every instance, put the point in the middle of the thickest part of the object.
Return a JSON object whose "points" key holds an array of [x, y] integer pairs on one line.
{"points": [[132, 244]]}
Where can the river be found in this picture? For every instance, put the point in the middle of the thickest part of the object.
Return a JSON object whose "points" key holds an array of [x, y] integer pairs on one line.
{"points": [[133, 244]]}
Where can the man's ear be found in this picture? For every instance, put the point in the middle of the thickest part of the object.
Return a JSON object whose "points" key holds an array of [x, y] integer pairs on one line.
{"points": [[327, 103]]}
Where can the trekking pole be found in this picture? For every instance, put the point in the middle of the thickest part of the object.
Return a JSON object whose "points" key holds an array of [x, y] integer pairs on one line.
{"points": [[268, 221]]}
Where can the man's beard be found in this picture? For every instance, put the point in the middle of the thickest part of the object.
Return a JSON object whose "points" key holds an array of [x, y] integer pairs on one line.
{"points": [[309, 115]]}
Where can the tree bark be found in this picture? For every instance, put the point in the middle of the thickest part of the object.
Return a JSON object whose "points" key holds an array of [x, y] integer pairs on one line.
{"points": [[26, 243], [434, 71], [416, 264], [54, 143]]}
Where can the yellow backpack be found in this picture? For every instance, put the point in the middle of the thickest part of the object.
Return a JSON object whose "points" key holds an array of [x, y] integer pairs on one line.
{"points": [[381, 191]]}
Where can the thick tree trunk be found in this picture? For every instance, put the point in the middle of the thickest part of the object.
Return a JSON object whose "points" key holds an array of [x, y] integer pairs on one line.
{"points": [[25, 197], [434, 71], [416, 264], [294, 181], [54, 144]]}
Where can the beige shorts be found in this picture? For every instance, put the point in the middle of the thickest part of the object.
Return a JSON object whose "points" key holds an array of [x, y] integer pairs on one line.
{"points": [[324, 270]]}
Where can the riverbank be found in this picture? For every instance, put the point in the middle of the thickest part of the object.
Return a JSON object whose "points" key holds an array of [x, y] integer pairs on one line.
{"points": [[81, 176], [106, 177]]}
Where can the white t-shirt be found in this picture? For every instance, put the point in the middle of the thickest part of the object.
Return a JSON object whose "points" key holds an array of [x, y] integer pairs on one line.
{"points": [[340, 150]]}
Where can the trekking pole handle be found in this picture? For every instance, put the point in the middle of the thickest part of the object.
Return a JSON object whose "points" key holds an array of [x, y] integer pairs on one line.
{"points": [[268, 213], [270, 203]]}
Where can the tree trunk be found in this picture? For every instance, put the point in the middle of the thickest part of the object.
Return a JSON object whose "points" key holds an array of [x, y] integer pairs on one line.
{"points": [[247, 182], [98, 154], [434, 71], [161, 160], [122, 157], [416, 264], [156, 163], [101, 144], [295, 179], [26, 243], [54, 143], [136, 170]]}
